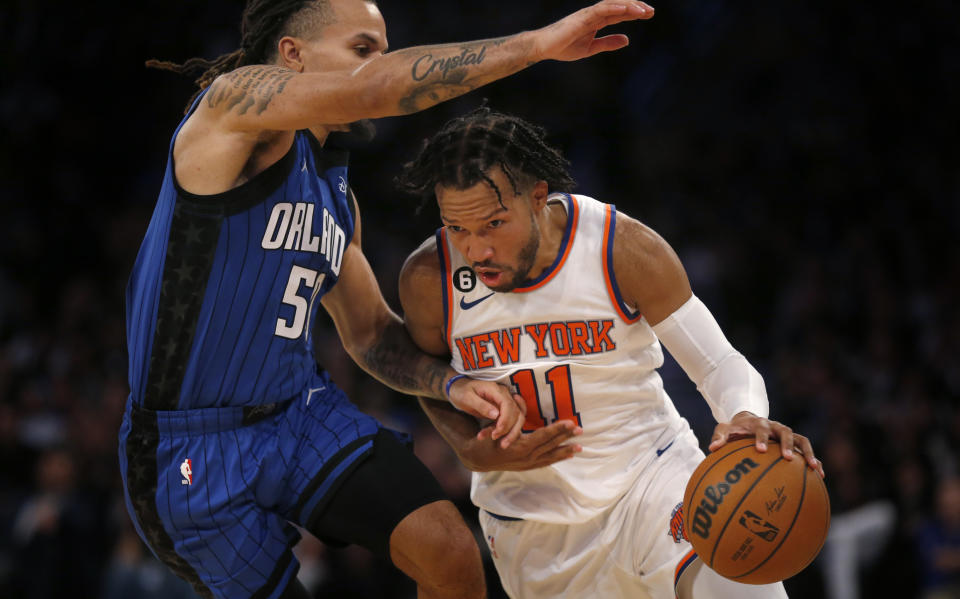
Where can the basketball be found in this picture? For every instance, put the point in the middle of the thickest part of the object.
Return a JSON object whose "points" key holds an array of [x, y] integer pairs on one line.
{"points": [[755, 517]]}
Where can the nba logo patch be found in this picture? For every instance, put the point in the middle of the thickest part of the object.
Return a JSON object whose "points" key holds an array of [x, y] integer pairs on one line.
{"points": [[186, 471], [493, 549], [676, 524]]}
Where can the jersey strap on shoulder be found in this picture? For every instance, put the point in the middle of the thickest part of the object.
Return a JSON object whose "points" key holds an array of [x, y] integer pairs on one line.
{"points": [[446, 292], [609, 228]]}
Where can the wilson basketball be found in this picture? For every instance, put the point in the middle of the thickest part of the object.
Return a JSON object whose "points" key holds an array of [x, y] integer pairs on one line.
{"points": [[755, 517]]}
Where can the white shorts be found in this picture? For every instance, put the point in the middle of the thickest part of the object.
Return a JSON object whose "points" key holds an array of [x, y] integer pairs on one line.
{"points": [[631, 550]]}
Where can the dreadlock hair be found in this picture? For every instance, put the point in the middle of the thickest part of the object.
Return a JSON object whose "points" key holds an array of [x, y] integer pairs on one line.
{"points": [[466, 148], [264, 23]]}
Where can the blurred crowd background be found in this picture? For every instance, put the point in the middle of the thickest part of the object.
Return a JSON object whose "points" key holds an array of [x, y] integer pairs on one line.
{"points": [[802, 158]]}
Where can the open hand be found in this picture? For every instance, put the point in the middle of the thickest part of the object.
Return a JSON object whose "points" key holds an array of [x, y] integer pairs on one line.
{"points": [[540, 448], [575, 36]]}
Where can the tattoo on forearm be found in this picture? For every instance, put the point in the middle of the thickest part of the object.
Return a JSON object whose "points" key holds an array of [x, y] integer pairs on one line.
{"points": [[444, 72], [397, 362], [249, 87], [424, 66], [425, 96]]}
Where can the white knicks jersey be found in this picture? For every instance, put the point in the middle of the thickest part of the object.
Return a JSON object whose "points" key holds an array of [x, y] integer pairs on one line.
{"points": [[570, 346]]}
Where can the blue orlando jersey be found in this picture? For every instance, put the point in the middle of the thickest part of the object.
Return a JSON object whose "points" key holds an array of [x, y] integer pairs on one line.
{"points": [[225, 287]]}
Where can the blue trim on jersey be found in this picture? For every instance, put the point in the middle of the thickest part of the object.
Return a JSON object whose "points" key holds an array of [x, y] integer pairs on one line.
{"points": [[682, 568], [633, 314], [442, 251], [560, 253]]}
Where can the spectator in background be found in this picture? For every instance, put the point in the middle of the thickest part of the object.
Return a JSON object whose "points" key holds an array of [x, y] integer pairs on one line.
{"points": [[938, 544], [56, 535]]}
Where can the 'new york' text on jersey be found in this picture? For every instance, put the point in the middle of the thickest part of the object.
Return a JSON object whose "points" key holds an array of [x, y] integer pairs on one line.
{"points": [[571, 347]]}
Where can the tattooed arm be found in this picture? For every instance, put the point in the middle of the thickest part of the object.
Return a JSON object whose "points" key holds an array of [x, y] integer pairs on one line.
{"points": [[277, 98], [420, 293], [248, 117], [376, 339]]}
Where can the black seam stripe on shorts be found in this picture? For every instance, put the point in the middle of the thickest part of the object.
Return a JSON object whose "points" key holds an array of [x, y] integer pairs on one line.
{"points": [[141, 451], [277, 573], [321, 476], [190, 252]]}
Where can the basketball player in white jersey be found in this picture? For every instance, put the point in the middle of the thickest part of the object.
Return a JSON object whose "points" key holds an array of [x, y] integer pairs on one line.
{"points": [[568, 301]]}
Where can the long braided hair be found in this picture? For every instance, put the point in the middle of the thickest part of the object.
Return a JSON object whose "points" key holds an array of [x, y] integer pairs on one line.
{"points": [[466, 148], [264, 23]]}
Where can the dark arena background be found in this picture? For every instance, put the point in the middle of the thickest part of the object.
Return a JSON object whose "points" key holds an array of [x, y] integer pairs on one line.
{"points": [[802, 158]]}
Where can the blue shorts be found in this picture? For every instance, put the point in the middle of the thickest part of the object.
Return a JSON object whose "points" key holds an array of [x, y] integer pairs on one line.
{"points": [[213, 491]]}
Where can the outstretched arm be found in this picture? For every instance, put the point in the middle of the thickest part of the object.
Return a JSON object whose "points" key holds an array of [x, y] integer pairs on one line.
{"points": [[654, 282], [274, 98]]}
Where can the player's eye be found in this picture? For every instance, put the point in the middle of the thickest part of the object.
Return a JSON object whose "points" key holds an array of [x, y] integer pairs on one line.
{"points": [[362, 50], [454, 229], [495, 223]]}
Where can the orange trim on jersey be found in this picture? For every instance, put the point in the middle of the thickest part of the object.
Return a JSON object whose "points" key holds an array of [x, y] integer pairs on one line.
{"points": [[568, 239], [447, 288], [608, 224]]}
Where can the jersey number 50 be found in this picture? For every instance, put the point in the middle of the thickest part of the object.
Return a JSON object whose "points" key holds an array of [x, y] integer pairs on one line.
{"points": [[561, 391], [298, 325]]}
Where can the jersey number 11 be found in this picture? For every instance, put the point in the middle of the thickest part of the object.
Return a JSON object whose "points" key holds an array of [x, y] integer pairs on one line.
{"points": [[561, 391]]}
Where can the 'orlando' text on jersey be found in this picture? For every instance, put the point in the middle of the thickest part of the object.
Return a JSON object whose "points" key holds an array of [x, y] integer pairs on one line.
{"points": [[225, 287]]}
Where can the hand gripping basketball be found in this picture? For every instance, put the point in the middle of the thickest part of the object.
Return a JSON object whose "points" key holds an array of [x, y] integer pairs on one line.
{"points": [[755, 517]]}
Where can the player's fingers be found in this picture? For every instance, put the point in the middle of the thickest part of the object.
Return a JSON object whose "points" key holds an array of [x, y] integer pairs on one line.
{"points": [[762, 433], [564, 452], [608, 43], [485, 433], [804, 446], [480, 408], [817, 465], [520, 403], [620, 9], [474, 402], [604, 14], [719, 437], [787, 439], [557, 454], [509, 413], [515, 430], [498, 403], [551, 436]]}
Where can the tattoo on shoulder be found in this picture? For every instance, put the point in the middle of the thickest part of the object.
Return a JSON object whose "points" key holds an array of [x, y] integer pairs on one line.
{"points": [[249, 87]]}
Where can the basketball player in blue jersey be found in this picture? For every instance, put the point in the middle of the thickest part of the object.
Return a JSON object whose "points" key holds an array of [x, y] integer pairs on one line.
{"points": [[231, 434], [568, 301]]}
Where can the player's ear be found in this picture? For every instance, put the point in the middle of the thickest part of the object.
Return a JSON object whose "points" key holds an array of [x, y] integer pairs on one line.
{"points": [[538, 195], [289, 52]]}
